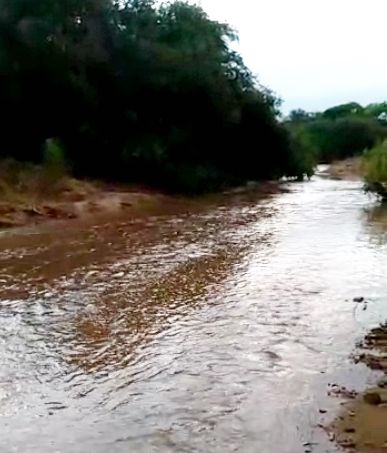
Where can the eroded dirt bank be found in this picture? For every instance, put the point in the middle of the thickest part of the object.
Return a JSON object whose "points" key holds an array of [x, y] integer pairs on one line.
{"points": [[32, 195], [71, 199]]}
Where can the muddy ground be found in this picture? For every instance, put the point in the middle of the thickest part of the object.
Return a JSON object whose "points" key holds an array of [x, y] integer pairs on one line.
{"points": [[362, 425], [348, 169]]}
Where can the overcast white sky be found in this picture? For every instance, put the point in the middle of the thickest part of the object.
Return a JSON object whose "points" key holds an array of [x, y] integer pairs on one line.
{"points": [[312, 53]]}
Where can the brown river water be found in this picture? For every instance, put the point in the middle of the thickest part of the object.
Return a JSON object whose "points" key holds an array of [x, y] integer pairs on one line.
{"points": [[213, 328]]}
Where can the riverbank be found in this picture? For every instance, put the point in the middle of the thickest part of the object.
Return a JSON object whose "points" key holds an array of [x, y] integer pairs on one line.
{"points": [[362, 425], [348, 169], [32, 195]]}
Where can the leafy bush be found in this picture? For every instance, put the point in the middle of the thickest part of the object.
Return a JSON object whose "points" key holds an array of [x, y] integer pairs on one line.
{"points": [[54, 167], [303, 158], [375, 170], [54, 156]]}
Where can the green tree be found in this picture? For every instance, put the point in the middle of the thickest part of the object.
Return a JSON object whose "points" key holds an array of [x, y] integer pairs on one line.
{"points": [[377, 111], [343, 110], [136, 91], [300, 116]]}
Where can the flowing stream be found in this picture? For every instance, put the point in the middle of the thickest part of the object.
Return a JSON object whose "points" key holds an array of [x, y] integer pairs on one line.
{"points": [[208, 329]]}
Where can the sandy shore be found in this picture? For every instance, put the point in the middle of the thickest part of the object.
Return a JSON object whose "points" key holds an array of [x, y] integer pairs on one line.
{"points": [[362, 425], [348, 169]]}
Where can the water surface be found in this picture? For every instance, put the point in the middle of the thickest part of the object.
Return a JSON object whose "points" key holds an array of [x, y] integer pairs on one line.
{"points": [[213, 329]]}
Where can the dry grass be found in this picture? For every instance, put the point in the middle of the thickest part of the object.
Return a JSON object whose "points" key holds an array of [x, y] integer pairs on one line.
{"points": [[375, 164], [348, 169], [30, 184], [31, 192], [375, 170]]}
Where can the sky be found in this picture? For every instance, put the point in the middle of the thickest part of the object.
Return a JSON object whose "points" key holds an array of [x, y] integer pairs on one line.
{"points": [[312, 53]]}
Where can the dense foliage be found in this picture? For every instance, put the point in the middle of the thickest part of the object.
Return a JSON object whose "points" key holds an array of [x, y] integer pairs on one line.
{"points": [[137, 92], [341, 131]]}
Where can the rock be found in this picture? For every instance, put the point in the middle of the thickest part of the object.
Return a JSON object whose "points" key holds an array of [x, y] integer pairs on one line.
{"points": [[359, 300], [118, 275], [33, 212], [373, 398], [346, 443], [6, 222], [323, 411], [350, 430], [90, 308]]}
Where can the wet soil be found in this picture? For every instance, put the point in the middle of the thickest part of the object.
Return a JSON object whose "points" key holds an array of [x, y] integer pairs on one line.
{"points": [[347, 169], [362, 425]]}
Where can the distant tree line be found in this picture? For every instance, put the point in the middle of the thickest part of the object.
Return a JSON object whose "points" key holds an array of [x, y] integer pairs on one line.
{"points": [[134, 91], [342, 131]]}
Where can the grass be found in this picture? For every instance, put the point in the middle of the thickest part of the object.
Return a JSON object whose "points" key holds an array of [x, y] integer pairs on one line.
{"points": [[20, 181], [375, 170], [28, 185]]}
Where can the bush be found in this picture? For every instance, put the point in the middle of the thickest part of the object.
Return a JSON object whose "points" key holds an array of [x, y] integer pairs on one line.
{"points": [[54, 155], [344, 137], [303, 158], [340, 132], [375, 170], [54, 167]]}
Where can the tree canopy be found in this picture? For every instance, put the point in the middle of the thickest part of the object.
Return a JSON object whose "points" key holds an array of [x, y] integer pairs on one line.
{"points": [[136, 91], [341, 131]]}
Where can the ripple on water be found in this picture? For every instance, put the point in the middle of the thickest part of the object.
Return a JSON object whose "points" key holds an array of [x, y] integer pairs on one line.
{"points": [[200, 330]]}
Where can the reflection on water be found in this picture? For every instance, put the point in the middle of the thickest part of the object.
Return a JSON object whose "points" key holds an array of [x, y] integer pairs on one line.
{"points": [[214, 326]]}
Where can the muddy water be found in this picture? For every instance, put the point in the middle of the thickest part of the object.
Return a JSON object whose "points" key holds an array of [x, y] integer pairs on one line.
{"points": [[206, 328]]}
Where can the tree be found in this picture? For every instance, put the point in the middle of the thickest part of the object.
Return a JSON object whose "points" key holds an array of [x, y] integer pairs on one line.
{"points": [[343, 110], [136, 91], [300, 116], [378, 111]]}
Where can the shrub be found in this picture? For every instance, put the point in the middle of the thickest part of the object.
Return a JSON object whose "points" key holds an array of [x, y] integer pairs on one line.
{"points": [[303, 158], [344, 137], [54, 162], [375, 170]]}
